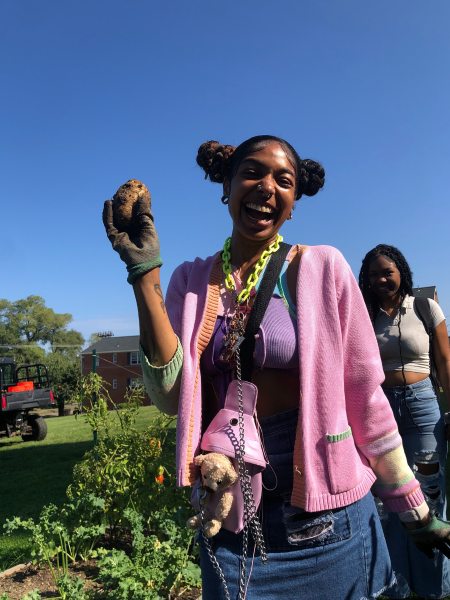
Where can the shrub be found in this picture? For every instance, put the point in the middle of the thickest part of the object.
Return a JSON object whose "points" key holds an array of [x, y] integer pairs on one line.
{"points": [[159, 563], [128, 469]]}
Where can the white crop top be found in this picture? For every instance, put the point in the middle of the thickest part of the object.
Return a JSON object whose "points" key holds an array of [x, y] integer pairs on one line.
{"points": [[415, 340]]}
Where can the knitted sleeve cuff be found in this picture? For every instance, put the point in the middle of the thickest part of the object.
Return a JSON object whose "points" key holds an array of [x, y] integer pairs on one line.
{"points": [[137, 271], [167, 374]]}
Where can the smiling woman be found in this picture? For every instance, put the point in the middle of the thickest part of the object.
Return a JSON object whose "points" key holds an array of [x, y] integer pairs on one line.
{"points": [[404, 342], [234, 333]]}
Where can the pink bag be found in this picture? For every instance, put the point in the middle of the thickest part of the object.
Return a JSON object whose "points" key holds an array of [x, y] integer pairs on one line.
{"points": [[222, 436]]}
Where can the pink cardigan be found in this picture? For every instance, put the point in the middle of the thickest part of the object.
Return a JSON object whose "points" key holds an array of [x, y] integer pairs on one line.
{"points": [[345, 417]]}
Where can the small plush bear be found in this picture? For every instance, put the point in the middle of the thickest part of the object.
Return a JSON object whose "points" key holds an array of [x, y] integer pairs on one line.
{"points": [[217, 474]]}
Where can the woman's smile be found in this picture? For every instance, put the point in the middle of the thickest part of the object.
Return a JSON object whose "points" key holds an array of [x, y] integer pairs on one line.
{"points": [[262, 215]]}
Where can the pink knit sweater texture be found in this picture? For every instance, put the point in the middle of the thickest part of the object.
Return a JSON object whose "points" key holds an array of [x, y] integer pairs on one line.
{"points": [[345, 417]]}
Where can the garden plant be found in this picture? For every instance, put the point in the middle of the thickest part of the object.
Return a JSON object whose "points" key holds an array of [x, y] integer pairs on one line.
{"points": [[124, 487]]}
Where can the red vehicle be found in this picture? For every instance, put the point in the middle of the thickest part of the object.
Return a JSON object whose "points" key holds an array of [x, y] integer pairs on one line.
{"points": [[22, 389]]}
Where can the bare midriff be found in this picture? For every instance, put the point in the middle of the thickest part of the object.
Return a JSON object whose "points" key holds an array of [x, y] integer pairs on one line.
{"points": [[278, 392], [395, 378]]}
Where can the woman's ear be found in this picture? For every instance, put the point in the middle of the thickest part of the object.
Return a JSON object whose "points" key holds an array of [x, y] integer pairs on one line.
{"points": [[226, 187]]}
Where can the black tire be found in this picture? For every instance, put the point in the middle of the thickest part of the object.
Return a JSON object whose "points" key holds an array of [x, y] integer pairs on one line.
{"points": [[38, 430]]}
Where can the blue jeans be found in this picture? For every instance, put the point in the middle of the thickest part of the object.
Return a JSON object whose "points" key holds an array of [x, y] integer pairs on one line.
{"points": [[421, 426], [330, 555]]}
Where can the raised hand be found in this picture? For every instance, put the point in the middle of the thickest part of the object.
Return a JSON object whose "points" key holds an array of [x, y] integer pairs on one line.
{"points": [[143, 245]]}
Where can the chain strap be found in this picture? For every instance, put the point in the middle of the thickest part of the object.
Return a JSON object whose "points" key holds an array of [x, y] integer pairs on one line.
{"points": [[211, 555], [251, 520]]}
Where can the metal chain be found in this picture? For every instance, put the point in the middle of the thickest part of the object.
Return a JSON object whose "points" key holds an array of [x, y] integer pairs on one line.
{"points": [[250, 516], [250, 513], [211, 555]]}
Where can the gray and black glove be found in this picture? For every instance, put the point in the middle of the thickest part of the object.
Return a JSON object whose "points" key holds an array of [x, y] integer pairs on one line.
{"points": [[435, 535], [140, 252]]}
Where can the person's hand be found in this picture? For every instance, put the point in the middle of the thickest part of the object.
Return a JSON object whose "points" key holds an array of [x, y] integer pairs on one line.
{"points": [[140, 252], [435, 535]]}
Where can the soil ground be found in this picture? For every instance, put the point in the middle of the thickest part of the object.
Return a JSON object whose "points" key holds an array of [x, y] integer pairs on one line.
{"points": [[31, 578]]}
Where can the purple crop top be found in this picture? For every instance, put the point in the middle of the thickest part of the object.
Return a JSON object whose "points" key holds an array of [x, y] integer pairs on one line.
{"points": [[276, 346]]}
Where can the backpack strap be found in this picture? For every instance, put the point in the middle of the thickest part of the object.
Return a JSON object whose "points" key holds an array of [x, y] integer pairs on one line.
{"points": [[423, 309], [259, 308]]}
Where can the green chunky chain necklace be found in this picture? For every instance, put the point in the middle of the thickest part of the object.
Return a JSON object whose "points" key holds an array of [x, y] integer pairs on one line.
{"points": [[253, 279]]}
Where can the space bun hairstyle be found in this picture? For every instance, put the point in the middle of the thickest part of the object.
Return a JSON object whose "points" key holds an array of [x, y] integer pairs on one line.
{"points": [[219, 161]]}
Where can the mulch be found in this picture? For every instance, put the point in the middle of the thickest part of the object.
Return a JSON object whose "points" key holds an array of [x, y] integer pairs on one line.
{"points": [[31, 577]]}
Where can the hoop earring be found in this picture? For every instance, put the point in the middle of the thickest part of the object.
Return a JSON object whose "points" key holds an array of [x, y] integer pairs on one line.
{"points": [[290, 216], [224, 199]]}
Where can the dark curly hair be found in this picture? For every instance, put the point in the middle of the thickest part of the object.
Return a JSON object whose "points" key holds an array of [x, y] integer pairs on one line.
{"points": [[372, 302], [406, 276], [220, 161]]}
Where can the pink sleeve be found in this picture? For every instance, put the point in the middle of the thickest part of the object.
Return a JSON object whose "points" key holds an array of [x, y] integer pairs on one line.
{"points": [[369, 413], [176, 292]]}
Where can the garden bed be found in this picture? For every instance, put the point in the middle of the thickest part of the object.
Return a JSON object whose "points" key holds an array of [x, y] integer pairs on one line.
{"points": [[20, 583]]}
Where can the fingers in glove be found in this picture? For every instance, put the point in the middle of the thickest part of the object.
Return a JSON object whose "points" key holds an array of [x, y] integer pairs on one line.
{"points": [[108, 220], [143, 210], [444, 548], [425, 548]]}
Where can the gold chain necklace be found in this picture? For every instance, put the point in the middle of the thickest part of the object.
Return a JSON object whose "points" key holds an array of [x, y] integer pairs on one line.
{"points": [[253, 279]]}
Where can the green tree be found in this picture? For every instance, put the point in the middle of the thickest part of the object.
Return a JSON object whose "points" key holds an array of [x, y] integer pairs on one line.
{"points": [[94, 337], [24, 324]]}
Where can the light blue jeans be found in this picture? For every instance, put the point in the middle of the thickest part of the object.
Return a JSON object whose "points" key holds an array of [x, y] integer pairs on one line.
{"points": [[421, 426], [335, 554]]}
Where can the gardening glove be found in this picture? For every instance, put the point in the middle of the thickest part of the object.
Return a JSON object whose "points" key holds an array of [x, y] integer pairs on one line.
{"points": [[434, 535], [140, 252]]}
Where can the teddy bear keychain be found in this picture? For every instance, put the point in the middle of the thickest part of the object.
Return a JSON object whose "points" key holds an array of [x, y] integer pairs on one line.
{"points": [[217, 474]]}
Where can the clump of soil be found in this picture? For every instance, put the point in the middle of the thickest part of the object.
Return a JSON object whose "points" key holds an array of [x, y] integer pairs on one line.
{"points": [[124, 205]]}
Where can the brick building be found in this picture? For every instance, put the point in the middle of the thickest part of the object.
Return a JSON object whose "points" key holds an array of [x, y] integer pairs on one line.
{"points": [[117, 363]]}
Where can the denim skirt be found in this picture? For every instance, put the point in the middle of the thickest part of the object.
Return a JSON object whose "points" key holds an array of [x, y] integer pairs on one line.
{"points": [[421, 426], [329, 555]]}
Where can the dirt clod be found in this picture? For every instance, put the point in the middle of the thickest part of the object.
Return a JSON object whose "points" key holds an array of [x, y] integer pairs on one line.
{"points": [[124, 205]]}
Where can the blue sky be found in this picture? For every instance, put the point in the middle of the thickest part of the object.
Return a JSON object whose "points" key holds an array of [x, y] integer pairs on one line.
{"points": [[96, 92]]}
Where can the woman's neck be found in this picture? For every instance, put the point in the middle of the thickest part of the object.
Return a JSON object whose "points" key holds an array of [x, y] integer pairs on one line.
{"points": [[245, 253], [391, 304]]}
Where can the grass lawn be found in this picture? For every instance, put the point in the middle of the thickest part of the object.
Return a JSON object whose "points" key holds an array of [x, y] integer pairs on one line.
{"points": [[33, 474]]}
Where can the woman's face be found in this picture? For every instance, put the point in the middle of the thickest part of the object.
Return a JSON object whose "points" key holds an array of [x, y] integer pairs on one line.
{"points": [[384, 278], [262, 193]]}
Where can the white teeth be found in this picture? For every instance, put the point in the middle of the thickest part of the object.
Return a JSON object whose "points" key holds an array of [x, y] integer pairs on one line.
{"points": [[266, 209]]}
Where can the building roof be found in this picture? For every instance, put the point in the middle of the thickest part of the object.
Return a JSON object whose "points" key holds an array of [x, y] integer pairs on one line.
{"points": [[425, 292], [124, 343]]}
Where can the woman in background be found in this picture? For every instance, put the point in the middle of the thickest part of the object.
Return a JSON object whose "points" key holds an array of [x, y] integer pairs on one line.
{"points": [[386, 283]]}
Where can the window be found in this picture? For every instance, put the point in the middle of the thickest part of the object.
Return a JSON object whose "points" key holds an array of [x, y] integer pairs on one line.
{"points": [[135, 382], [114, 358], [97, 362], [114, 384], [134, 358]]}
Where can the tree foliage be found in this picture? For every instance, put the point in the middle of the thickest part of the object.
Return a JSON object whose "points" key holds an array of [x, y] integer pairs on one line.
{"points": [[26, 326]]}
